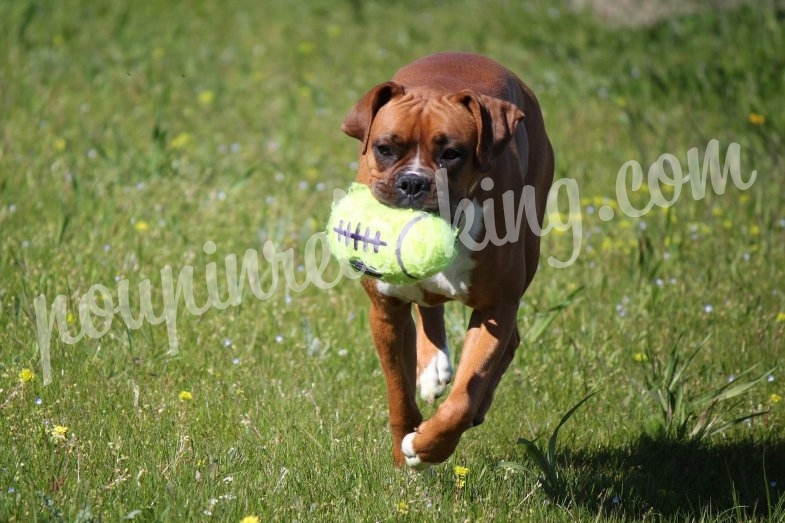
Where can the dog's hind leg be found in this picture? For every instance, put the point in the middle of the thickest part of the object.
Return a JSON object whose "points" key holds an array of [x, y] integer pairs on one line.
{"points": [[434, 371]]}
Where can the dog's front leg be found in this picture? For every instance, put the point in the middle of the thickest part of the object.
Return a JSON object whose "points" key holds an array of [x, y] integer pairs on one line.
{"points": [[487, 347], [394, 337]]}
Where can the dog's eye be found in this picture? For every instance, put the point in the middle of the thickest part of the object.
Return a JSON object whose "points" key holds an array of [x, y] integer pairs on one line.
{"points": [[385, 150], [451, 154]]}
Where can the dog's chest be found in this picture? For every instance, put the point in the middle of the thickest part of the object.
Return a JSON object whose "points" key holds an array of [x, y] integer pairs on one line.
{"points": [[453, 283]]}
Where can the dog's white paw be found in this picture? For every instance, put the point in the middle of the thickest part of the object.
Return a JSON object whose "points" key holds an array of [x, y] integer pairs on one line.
{"points": [[412, 459], [435, 377]]}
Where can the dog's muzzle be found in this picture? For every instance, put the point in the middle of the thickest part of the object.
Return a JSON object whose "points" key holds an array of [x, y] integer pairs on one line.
{"points": [[412, 188]]}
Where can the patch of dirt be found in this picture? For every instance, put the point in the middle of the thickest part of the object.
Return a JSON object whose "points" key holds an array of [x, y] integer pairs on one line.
{"points": [[637, 13]]}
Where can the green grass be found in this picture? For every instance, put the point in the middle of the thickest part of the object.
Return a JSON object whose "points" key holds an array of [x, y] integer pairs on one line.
{"points": [[133, 133]]}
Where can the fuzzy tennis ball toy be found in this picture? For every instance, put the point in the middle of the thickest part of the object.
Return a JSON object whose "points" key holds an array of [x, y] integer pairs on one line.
{"points": [[394, 245]]}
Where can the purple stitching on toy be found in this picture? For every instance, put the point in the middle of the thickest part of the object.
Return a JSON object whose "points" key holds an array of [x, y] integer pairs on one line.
{"points": [[366, 238]]}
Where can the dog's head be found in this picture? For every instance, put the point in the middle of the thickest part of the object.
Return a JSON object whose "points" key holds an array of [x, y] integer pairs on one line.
{"points": [[408, 134]]}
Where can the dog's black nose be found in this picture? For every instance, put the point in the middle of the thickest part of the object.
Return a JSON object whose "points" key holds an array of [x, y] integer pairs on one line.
{"points": [[412, 186]]}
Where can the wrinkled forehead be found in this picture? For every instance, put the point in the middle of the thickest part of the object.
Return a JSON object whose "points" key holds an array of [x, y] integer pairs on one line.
{"points": [[414, 118]]}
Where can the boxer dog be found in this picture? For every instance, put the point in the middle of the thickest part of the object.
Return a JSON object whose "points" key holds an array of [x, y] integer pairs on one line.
{"points": [[474, 123]]}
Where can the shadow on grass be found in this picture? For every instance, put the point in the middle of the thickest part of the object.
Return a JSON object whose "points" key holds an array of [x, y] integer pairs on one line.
{"points": [[670, 478]]}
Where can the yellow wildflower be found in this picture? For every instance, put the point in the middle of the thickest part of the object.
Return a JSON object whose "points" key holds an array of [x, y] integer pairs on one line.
{"points": [[141, 226], [744, 198], [206, 97], [461, 473], [26, 375], [781, 317], [640, 357], [757, 119], [775, 398], [59, 432], [250, 519], [185, 395], [180, 141], [402, 507], [60, 144], [754, 230], [70, 318]]}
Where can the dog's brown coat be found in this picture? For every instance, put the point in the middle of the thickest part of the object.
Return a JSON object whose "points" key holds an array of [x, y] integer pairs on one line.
{"points": [[473, 105]]}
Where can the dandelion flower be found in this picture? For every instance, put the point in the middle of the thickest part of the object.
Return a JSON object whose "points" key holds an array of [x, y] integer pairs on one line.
{"points": [[206, 97], [461, 473], [754, 230], [60, 144], [781, 317], [640, 357], [26, 375], [141, 226], [775, 398], [402, 507], [757, 119], [180, 141], [250, 519], [59, 432], [185, 395]]}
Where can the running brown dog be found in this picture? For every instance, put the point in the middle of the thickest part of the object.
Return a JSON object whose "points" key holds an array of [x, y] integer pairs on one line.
{"points": [[470, 117]]}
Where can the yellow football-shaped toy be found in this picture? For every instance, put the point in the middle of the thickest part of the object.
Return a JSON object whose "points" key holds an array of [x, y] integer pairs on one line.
{"points": [[395, 245]]}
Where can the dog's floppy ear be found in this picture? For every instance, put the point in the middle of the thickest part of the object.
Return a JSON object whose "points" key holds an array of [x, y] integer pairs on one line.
{"points": [[357, 123], [496, 120]]}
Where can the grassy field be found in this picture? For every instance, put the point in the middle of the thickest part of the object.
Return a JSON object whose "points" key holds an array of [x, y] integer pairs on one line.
{"points": [[133, 133]]}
